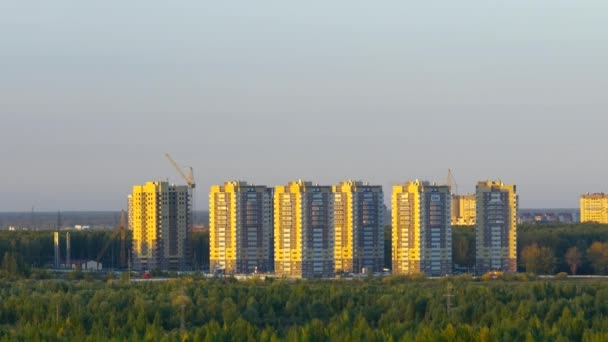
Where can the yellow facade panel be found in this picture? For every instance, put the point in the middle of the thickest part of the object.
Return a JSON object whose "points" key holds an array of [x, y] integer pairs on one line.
{"points": [[594, 208]]}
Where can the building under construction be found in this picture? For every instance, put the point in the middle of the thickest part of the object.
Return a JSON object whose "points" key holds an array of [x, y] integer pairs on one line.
{"points": [[160, 216]]}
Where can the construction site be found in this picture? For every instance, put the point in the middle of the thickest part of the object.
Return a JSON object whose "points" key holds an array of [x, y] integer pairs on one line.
{"points": [[94, 241]]}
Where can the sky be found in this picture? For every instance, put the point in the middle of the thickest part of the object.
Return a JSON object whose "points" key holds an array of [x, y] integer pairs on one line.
{"points": [[93, 94]]}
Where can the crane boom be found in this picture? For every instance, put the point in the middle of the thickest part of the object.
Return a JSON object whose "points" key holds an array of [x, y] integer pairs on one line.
{"points": [[188, 178], [191, 177]]}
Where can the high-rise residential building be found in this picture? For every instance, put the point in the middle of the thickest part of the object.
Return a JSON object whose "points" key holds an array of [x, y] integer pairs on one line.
{"points": [[463, 210], [496, 228], [160, 219], [240, 228], [359, 227], [594, 208], [303, 230], [421, 230]]}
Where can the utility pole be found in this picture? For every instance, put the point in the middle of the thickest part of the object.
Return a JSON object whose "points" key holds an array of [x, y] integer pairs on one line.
{"points": [[56, 249], [59, 220], [449, 297], [32, 219], [68, 256], [129, 268]]}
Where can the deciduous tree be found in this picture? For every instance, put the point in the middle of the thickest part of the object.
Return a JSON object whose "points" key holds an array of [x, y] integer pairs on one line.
{"points": [[574, 258], [538, 259], [597, 254]]}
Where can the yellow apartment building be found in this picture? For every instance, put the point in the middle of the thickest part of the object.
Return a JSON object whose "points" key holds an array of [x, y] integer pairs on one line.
{"points": [[421, 229], [303, 230], [240, 228], [463, 210], [359, 227], [496, 228], [160, 221], [594, 208]]}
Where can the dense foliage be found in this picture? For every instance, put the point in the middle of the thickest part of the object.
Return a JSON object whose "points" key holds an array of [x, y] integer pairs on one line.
{"points": [[356, 310], [463, 247], [558, 239]]}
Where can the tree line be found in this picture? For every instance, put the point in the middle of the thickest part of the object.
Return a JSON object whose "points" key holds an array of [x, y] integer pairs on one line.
{"points": [[547, 248], [575, 249], [542, 248]]}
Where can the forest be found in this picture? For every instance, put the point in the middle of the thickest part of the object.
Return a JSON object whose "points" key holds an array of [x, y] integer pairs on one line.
{"points": [[36, 304], [457, 308]]}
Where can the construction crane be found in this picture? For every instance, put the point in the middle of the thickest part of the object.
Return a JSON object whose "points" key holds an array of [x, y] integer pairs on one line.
{"points": [[452, 182], [121, 230], [189, 179]]}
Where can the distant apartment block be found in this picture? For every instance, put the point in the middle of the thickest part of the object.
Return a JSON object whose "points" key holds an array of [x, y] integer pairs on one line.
{"points": [[594, 208], [496, 229], [304, 230], [463, 210], [359, 227], [159, 215], [421, 229], [240, 228], [549, 215]]}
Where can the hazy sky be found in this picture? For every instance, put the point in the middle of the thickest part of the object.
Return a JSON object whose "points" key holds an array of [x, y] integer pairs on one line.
{"points": [[92, 94]]}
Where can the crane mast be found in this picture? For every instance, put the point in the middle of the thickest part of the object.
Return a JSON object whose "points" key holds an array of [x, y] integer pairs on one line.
{"points": [[452, 182]]}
